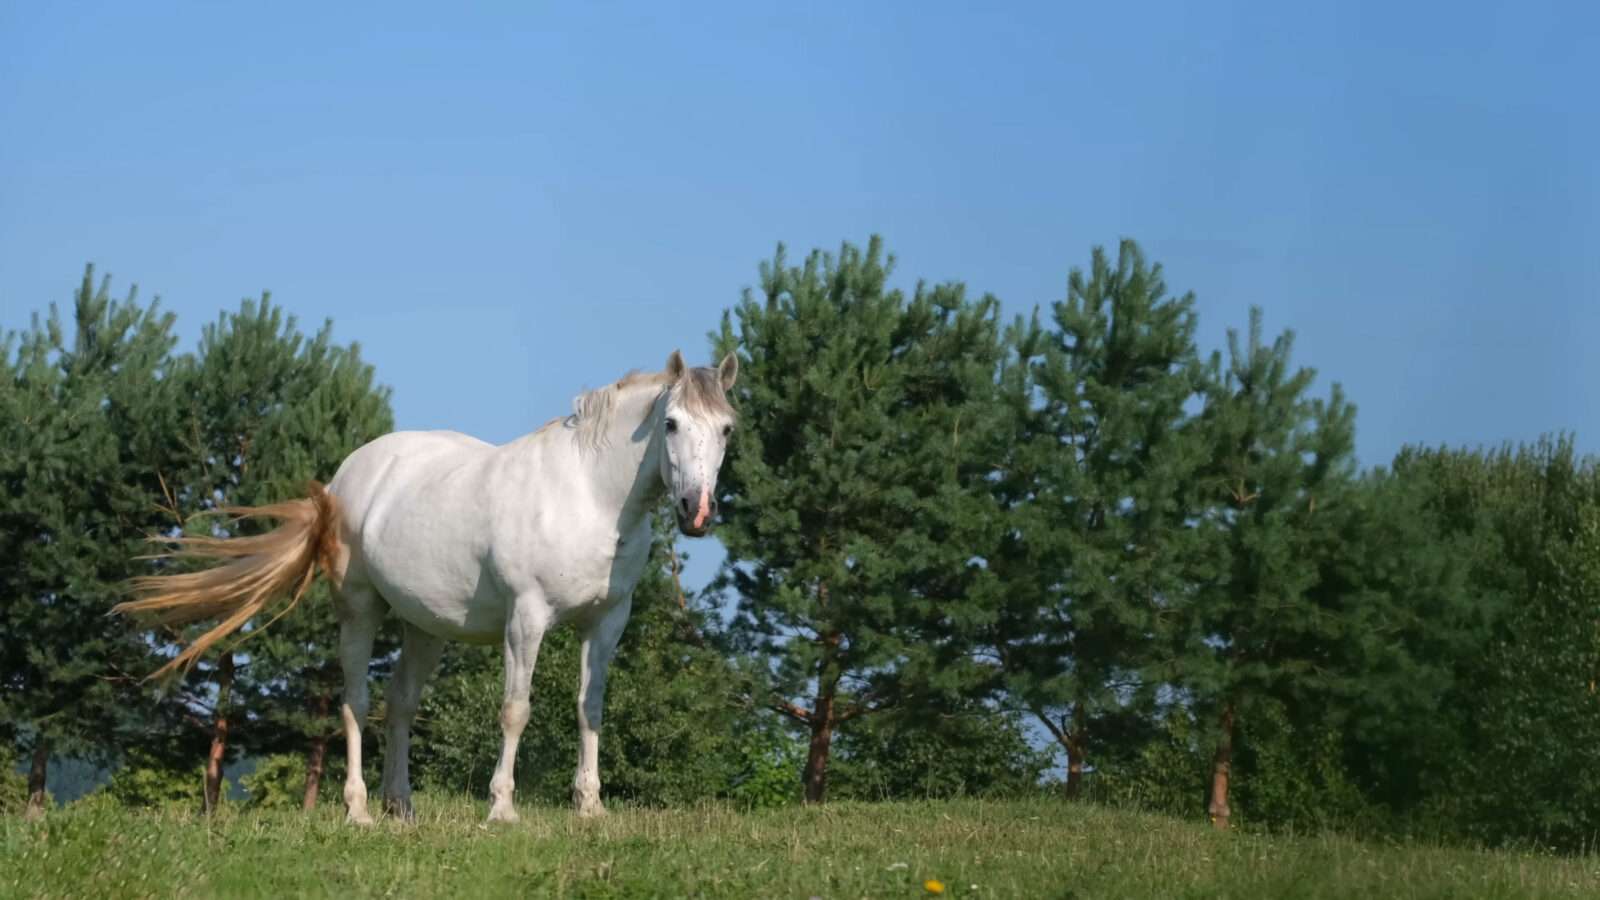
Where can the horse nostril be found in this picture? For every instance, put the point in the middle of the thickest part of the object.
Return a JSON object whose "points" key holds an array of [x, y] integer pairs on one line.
{"points": [[713, 508], [683, 504]]}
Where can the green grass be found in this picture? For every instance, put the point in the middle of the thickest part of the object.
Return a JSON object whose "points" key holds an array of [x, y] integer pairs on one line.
{"points": [[1037, 848]]}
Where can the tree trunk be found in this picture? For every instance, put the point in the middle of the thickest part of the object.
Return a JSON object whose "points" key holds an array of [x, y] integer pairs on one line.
{"points": [[1221, 769], [822, 720], [316, 756], [37, 770], [219, 735], [816, 775], [1074, 741]]}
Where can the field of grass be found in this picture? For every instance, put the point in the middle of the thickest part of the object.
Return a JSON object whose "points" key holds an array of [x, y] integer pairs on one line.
{"points": [[1035, 848]]}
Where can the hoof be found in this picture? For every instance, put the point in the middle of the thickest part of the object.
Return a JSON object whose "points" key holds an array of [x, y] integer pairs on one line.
{"points": [[358, 818], [593, 810], [399, 809], [504, 814]]}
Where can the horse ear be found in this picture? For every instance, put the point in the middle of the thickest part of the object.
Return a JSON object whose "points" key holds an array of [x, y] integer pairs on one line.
{"points": [[675, 365], [728, 370]]}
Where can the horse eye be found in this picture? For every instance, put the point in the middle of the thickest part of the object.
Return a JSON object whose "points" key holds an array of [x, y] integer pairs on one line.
{"points": [[727, 430], [672, 425]]}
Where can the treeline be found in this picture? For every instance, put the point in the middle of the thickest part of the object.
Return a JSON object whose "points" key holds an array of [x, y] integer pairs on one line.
{"points": [[946, 531], [107, 436]]}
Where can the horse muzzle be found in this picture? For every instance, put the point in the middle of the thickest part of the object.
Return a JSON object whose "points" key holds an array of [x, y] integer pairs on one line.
{"points": [[695, 514], [689, 530]]}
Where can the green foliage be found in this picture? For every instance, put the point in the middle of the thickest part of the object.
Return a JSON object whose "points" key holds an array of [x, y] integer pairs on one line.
{"points": [[1397, 576], [1097, 484], [769, 756], [267, 409], [1165, 773], [1279, 471], [147, 783], [1528, 755], [84, 437], [1459, 655], [13, 784], [673, 712], [855, 487], [913, 754], [1294, 778], [279, 782]]}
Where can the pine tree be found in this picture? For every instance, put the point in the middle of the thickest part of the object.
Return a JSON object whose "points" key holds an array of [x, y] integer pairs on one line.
{"points": [[1099, 488], [1279, 464], [855, 490], [333, 408], [85, 414], [268, 410]]}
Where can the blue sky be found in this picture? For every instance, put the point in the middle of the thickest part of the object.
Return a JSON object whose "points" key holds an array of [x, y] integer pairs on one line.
{"points": [[510, 203]]}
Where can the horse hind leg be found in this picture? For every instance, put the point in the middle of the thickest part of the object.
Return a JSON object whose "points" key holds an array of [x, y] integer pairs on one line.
{"points": [[360, 612], [419, 655]]}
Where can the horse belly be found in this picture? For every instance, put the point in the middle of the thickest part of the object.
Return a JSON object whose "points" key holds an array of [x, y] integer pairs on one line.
{"points": [[440, 586], [479, 618]]}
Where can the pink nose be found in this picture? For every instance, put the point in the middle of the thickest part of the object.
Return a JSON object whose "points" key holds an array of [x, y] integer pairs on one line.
{"points": [[698, 511], [702, 514]]}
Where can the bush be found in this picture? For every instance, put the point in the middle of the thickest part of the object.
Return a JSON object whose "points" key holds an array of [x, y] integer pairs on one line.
{"points": [[144, 783], [771, 759], [1284, 777], [972, 751], [1165, 774], [279, 781], [13, 784], [1295, 778]]}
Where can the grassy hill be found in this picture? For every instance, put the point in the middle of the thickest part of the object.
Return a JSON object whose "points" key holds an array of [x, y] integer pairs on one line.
{"points": [[972, 849]]}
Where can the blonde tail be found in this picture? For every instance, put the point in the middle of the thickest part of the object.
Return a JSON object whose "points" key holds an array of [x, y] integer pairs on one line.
{"points": [[258, 570]]}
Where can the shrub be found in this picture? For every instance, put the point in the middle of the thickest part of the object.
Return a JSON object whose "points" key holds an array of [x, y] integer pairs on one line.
{"points": [[1165, 774], [145, 783], [13, 784], [279, 781], [769, 771], [972, 751]]}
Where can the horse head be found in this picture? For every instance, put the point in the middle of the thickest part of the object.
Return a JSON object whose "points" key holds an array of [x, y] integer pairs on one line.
{"points": [[694, 427]]}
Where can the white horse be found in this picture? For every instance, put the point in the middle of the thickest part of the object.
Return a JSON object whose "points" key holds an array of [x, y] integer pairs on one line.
{"points": [[472, 542]]}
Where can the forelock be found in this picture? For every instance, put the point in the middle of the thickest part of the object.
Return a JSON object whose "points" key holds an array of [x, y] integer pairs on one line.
{"points": [[700, 392]]}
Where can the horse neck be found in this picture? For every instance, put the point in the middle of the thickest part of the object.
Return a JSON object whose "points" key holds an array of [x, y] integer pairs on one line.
{"points": [[626, 465]]}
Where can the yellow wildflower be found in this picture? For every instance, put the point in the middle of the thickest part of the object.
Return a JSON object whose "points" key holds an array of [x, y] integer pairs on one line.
{"points": [[933, 886]]}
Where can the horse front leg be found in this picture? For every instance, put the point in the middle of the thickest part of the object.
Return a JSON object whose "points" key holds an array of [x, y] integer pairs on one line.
{"points": [[419, 655], [525, 628], [599, 647]]}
